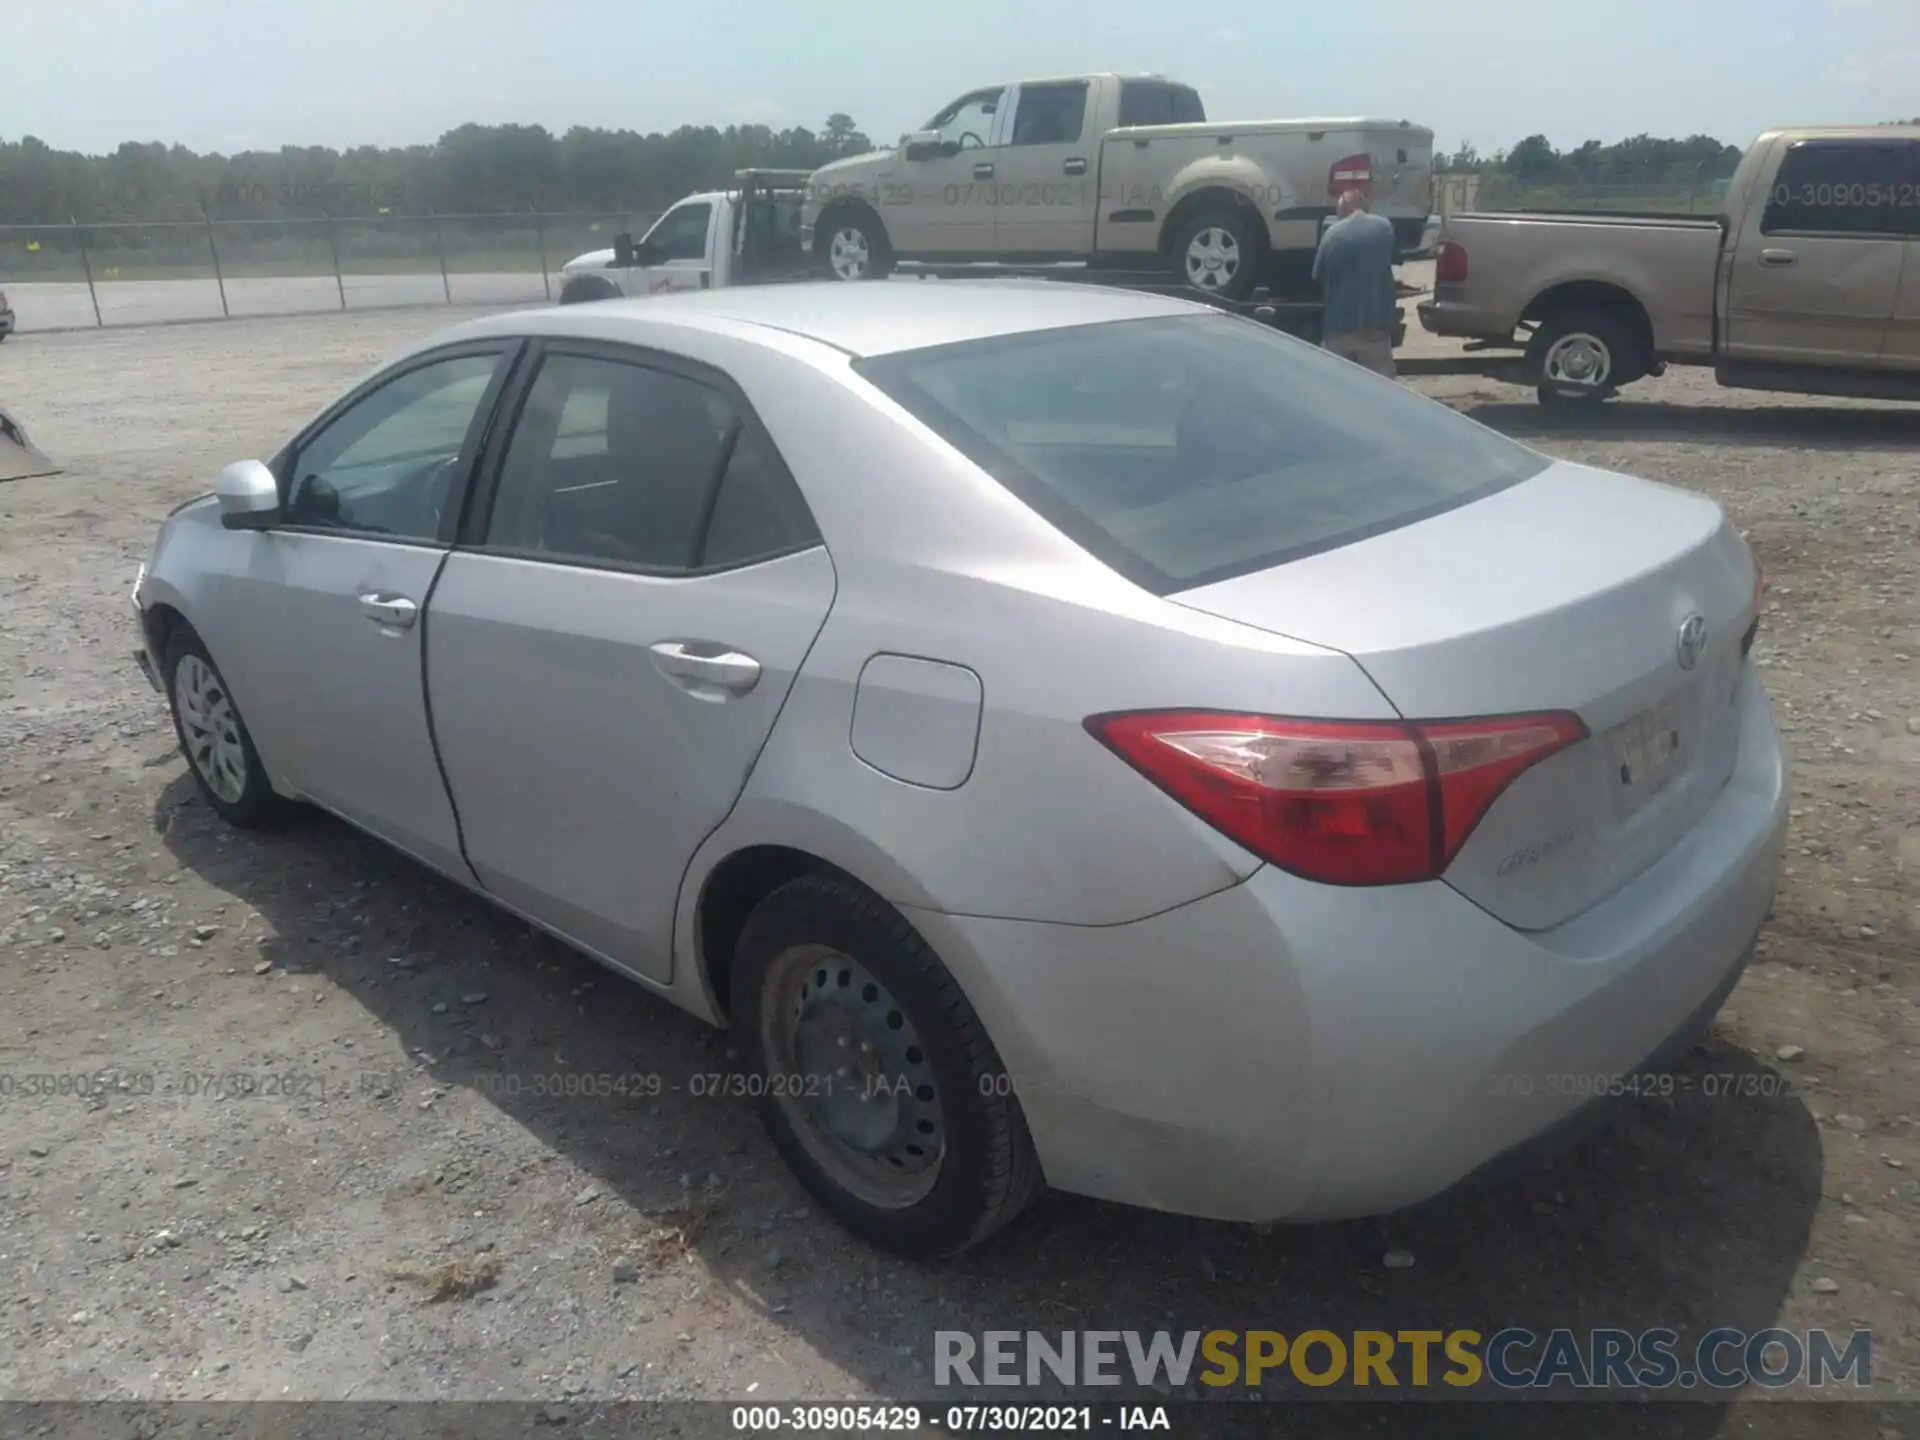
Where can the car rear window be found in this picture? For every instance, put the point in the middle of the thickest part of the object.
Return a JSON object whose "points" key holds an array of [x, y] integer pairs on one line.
{"points": [[1149, 102], [1189, 449]]}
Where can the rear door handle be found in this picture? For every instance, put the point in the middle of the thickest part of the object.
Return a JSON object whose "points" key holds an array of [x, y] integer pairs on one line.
{"points": [[983, 171], [1075, 166], [721, 674], [383, 607], [1777, 257]]}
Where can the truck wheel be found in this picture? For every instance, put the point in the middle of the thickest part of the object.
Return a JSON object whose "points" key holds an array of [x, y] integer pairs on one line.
{"points": [[851, 245], [878, 1082], [588, 287], [1582, 356], [1217, 251]]}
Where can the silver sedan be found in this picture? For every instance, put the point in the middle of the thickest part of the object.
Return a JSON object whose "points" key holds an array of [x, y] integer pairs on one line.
{"points": [[1070, 736]]}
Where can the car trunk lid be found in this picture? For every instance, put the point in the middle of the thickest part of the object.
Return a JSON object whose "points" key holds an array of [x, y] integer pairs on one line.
{"points": [[1570, 591]]}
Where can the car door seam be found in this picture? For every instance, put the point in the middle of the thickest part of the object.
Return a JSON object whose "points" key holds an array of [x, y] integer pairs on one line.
{"points": [[433, 733]]}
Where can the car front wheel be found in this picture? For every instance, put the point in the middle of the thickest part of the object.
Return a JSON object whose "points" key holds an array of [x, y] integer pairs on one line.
{"points": [[214, 738], [874, 1076], [851, 245]]}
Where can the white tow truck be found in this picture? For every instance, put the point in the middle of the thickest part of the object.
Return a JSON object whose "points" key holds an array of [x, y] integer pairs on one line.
{"points": [[746, 235]]}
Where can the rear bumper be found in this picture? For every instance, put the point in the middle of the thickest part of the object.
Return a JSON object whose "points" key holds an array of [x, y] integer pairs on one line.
{"points": [[1290, 1051], [1444, 316]]}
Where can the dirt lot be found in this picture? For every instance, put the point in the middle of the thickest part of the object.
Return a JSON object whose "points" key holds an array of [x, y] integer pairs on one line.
{"points": [[414, 1221]]}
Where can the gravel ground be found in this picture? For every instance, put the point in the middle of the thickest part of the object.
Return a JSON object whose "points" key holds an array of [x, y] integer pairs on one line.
{"points": [[327, 1168]]}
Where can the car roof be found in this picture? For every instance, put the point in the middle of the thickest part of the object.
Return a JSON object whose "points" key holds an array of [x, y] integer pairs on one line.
{"points": [[876, 318]]}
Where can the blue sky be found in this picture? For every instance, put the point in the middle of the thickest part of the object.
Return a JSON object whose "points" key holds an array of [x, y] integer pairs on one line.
{"points": [[235, 74]]}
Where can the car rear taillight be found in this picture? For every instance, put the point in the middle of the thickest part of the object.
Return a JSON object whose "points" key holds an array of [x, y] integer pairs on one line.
{"points": [[1450, 263], [1343, 802], [1355, 172]]}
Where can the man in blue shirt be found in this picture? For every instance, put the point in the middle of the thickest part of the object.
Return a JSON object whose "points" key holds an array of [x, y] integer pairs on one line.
{"points": [[1354, 266]]}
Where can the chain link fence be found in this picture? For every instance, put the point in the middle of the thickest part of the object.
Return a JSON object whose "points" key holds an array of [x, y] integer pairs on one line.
{"points": [[74, 276]]}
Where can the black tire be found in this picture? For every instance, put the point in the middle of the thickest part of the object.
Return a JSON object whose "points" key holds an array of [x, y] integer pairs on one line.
{"points": [[861, 233], [252, 803], [1604, 348], [1239, 264], [583, 288], [986, 1171]]}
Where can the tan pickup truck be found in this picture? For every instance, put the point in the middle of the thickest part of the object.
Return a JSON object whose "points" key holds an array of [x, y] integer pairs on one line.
{"points": [[1119, 171], [1808, 281]]}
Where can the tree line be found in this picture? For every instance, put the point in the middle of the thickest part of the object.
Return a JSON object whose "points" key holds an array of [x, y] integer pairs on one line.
{"points": [[475, 169], [1534, 161], [494, 169]]}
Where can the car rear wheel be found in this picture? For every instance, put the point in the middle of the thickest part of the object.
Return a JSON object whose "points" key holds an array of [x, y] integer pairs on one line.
{"points": [[1582, 357], [214, 738], [1218, 252], [874, 1076]]}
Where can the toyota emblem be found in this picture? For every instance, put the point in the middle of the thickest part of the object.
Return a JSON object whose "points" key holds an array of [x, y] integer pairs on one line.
{"points": [[1693, 640]]}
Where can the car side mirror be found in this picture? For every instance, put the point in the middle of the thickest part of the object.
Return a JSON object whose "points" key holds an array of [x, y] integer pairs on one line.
{"points": [[623, 249], [248, 495], [920, 144]]}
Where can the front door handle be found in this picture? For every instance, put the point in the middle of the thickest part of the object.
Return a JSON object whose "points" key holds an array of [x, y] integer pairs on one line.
{"points": [[1778, 257], [983, 171], [1075, 166], [383, 607], [706, 672]]}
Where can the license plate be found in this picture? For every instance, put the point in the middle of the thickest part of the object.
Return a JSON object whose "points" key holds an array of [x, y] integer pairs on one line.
{"points": [[1647, 748]]}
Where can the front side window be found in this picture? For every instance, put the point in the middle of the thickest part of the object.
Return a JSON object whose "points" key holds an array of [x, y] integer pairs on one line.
{"points": [[681, 234], [1190, 449], [1846, 187], [967, 124], [617, 462], [387, 464], [1050, 114]]}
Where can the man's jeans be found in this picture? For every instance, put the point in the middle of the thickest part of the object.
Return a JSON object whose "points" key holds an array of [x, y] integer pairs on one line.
{"points": [[1371, 348]]}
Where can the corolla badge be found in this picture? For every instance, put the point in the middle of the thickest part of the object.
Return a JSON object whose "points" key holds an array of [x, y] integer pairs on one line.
{"points": [[1693, 640]]}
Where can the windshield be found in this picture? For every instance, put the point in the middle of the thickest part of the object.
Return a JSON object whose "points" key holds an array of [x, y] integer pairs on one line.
{"points": [[1190, 449]]}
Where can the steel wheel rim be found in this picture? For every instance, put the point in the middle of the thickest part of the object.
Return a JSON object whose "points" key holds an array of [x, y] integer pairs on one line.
{"points": [[848, 1069], [210, 727], [849, 254], [1578, 360], [1213, 259]]}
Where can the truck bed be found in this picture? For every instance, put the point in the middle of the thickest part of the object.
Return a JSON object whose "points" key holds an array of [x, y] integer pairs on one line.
{"points": [[1659, 270]]}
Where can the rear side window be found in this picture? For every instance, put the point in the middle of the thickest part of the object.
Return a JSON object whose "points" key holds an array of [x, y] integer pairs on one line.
{"points": [[621, 463], [1154, 102], [1846, 187], [1190, 449]]}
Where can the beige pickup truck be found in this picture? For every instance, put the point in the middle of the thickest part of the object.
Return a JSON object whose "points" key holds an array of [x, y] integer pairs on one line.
{"points": [[1808, 281]]}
